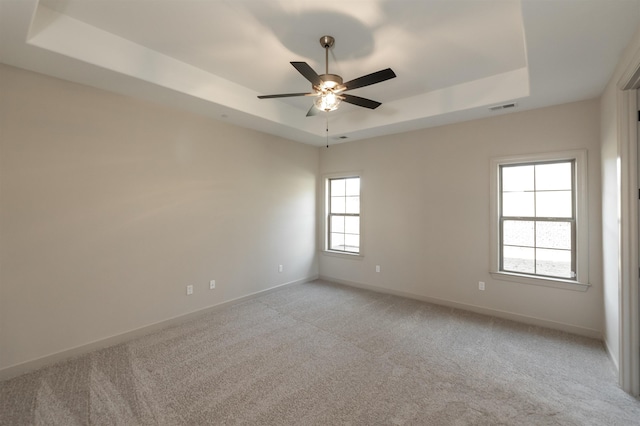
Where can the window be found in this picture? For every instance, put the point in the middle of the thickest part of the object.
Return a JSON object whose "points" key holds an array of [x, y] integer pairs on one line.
{"points": [[537, 219], [540, 219], [343, 214]]}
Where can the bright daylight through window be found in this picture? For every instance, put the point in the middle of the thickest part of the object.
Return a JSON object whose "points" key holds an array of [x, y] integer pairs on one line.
{"points": [[344, 215], [537, 222]]}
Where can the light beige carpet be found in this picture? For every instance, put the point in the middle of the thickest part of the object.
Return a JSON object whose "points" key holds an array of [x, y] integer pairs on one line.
{"points": [[324, 354]]}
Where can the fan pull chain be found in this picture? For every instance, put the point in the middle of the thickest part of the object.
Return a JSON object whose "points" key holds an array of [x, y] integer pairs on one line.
{"points": [[327, 116]]}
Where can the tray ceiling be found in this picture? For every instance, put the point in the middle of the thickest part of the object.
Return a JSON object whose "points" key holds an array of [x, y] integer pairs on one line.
{"points": [[453, 59]]}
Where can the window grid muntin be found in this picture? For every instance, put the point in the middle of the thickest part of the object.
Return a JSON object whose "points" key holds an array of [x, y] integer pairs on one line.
{"points": [[331, 215], [535, 219]]}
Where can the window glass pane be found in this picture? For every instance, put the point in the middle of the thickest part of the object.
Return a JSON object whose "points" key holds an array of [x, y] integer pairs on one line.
{"points": [[352, 186], [517, 178], [555, 263], [353, 205], [519, 259], [337, 205], [554, 204], [555, 235], [337, 241], [553, 176], [351, 242], [352, 225], [518, 204], [337, 223], [518, 233], [337, 187]]}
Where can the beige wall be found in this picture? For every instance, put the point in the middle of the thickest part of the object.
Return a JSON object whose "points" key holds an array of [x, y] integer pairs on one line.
{"points": [[111, 206], [610, 222], [425, 201]]}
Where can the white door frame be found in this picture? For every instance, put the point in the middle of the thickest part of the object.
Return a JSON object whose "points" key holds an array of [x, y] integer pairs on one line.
{"points": [[628, 275]]}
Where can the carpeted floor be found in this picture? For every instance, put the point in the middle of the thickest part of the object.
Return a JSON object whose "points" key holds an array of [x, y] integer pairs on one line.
{"points": [[324, 354]]}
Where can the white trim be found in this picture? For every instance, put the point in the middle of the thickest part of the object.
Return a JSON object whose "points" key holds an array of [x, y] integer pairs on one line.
{"points": [[324, 193], [342, 255], [545, 282], [512, 316], [582, 219], [25, 367], [629, 349], [629, 365]]}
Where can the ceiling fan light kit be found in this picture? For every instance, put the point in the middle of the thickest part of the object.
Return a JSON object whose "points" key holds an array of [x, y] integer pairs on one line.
{"points": [[328, 89]]}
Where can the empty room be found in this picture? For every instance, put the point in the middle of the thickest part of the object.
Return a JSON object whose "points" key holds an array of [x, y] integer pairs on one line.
{"points": [[289, 212]]}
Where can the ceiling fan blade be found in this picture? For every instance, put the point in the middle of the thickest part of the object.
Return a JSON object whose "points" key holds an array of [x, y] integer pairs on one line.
{"points": [[357, 100], [368, 79], [313, 111], [308, 72], [285, 95]]}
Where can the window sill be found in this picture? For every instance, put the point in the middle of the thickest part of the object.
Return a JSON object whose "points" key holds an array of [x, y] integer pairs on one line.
{"points": [[342, 255], [544, 282]]}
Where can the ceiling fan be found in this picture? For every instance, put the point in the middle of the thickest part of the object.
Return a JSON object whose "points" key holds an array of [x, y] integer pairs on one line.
{"points": [[328, 89]]}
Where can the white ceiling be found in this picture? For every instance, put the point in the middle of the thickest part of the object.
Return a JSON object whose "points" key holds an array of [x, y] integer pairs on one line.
{"points": [[453, 58]]}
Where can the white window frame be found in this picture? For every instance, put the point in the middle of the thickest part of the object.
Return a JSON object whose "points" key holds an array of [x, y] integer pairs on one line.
{"points": [[325, 214], [581, 282]]}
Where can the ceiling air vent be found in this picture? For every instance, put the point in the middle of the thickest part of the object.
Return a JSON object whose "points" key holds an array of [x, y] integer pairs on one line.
{"points": [[501, 107]]}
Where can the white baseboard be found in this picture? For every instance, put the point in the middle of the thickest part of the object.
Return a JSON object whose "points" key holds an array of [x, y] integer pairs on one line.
{"points": [[569, 328], [24, 367]]}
